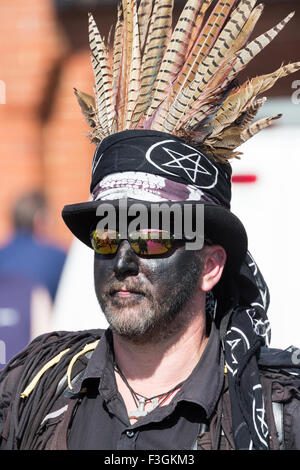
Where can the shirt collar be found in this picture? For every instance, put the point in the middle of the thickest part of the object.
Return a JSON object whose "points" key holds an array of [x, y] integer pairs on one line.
{"points": [[202, 387]]}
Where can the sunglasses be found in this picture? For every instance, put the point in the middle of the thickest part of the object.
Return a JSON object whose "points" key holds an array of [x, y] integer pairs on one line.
{"points": [[145, 242]]}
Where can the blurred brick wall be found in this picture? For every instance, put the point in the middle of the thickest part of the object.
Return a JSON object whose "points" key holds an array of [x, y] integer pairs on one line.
{"points": [[43, 55]]}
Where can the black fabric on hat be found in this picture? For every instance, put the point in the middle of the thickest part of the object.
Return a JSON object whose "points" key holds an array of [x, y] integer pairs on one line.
{"points": [[164, 155], [160, 154]]}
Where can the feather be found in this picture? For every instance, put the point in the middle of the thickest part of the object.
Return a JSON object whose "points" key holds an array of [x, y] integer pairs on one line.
{"points": [[145, 12], [103, 78], [230, 111], [117, 48], [134, 65], [232, 137], [175, 54], [160, 26], [237, 103], [243, 57], [212, 72], [182, 81], [184, 96], [197, 28], [184, 77], [250, 113], [88, 106], [233, 132], [256, 46], [258, 126]]}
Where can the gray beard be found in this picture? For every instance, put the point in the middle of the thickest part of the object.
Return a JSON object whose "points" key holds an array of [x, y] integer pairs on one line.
{"points": [[163, 317]]}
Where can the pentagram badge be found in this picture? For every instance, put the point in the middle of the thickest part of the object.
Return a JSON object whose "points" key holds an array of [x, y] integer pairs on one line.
{"points": [[178, 159]]}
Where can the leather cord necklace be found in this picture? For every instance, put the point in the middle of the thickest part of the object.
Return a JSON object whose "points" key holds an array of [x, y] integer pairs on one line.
{"points": [[141, 401]]}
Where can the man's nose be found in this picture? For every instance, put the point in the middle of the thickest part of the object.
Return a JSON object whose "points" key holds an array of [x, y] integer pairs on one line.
{"points": [[126, 262]]}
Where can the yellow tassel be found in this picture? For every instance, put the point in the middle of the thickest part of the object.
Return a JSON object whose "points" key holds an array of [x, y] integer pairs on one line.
{"points": [[47, 366], [53, 362], [87, 348]]}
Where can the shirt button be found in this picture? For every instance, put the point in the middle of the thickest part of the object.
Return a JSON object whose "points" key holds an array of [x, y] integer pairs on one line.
{"points": [[130, 433]]}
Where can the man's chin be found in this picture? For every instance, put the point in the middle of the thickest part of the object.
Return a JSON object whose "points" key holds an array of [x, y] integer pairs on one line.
{"points": [[132, 319]]}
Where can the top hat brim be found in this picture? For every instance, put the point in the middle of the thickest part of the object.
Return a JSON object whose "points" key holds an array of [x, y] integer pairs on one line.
{"points": [[221, 226]]}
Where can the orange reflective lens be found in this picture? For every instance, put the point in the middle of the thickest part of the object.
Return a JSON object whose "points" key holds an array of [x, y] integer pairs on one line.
{"points": [[147, 242]]}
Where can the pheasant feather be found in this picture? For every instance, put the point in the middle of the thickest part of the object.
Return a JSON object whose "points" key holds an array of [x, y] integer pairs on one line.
{"points": [[182, 81], [158, 38], [103, 78], [174, 57]]}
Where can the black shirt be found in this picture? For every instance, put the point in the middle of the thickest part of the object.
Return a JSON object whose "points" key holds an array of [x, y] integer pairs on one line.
{"points": [[101, 421]]}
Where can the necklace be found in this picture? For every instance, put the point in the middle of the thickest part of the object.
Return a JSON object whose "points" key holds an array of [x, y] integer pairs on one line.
{"points": [[141, 401]]}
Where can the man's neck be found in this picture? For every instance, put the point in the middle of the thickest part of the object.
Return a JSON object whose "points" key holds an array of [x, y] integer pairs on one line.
{"points": [[155, 367]]}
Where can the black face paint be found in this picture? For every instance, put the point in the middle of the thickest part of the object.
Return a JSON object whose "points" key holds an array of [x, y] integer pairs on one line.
{"points": [[141, 297]]}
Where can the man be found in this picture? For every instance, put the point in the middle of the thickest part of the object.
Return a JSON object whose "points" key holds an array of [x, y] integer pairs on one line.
{"points": [[29, 253], [185, 363], [31, 266]]}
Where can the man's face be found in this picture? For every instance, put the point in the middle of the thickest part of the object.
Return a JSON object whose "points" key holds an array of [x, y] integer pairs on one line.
{"points": [[142, 296]]}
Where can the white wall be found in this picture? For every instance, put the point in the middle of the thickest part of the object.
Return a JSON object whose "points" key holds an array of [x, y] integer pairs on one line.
{"points": [[270, 212]]}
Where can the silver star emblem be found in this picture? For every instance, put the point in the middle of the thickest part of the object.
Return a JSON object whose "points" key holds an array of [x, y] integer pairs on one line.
{"points": [[191, 164]]}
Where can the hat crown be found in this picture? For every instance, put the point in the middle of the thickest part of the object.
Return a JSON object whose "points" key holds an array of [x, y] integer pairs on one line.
{"points": [[163, 155]]}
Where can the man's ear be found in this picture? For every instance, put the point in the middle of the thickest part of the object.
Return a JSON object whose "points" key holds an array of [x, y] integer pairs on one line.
{"points": [[214, 262]]}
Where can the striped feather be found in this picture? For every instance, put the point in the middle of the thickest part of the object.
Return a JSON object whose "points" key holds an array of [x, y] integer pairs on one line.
{"points": [[237, 103], [175, 54], [88, 107], [145, 12], [186, 94], [182, 81], [103, 78], [223, 78], [134, 78], [256, 46], [223, 49], [160, 26], [258, 126], [197, 27], [187, 73], [117, 48]]}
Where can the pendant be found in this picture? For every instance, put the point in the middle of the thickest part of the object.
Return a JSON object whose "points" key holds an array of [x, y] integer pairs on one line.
{"points": [[140, 411]]}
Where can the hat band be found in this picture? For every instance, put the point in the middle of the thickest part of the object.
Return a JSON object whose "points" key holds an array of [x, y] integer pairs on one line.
{"points": [[146, 187]]}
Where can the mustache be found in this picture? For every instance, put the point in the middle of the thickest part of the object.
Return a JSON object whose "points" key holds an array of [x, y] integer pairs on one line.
{"points": [[128, 286]]}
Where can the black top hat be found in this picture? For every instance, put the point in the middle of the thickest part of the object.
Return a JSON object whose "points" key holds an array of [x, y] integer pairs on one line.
{"points": [[196, 179]]}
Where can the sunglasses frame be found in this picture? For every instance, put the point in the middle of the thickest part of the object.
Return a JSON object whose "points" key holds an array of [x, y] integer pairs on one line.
{"points": [[174, 243]]}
